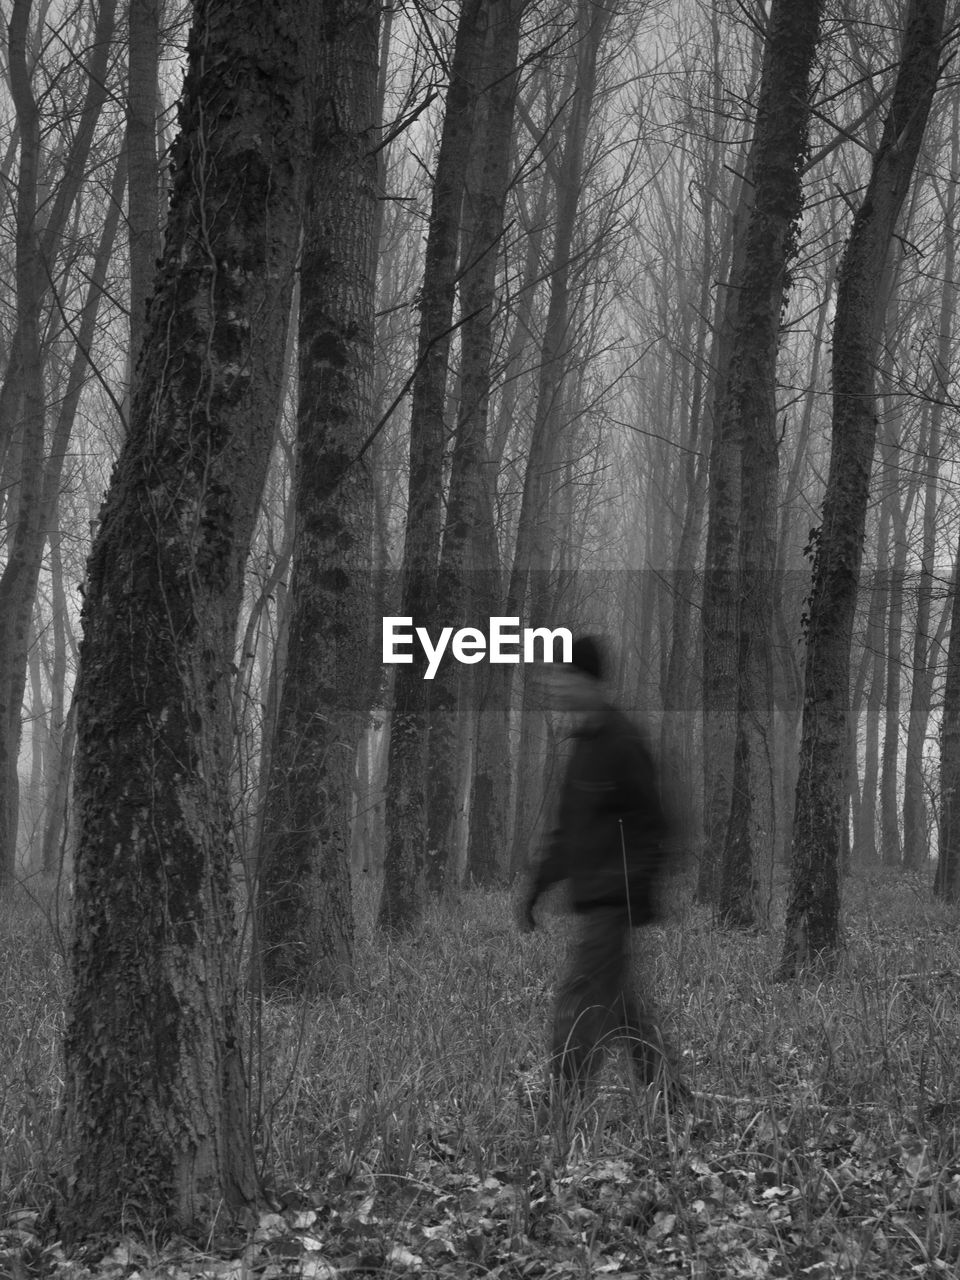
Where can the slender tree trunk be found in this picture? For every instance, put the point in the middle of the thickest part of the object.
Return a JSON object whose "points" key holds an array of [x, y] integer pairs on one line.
{"points": [[61, 207], [30, 504], [460, 585], [16, 600], [529, 590], [813, 909], [947, 882], [143, 185], [748, 416], [403, 881], [865, 826], [155, 1114], [305, 914], [915, 849], [62, 722], [890, 754]]}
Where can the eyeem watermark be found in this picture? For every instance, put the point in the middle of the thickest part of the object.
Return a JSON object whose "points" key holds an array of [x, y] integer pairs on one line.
{"points": [[504, 642]]}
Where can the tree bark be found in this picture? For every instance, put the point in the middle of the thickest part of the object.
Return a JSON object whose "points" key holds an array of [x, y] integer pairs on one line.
{"points": [[16, 600], [813, 908], [22, 396], [468, 560], [749, 416], [305, 913], [143, 186], [947, 881], [155, 1113], [403, 892]]}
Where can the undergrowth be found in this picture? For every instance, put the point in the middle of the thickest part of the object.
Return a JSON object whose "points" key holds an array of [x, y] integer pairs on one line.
{"points": [[396, 1126]]}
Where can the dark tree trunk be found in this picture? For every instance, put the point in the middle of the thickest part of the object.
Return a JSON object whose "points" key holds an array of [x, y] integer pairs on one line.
{"points": [[305, 914], [890, 848], [947, 881], [467, 560], [872, 668], [404, 862], [143, 186], [155, 1112], [813, 908], [529, 593], [748, 416]]}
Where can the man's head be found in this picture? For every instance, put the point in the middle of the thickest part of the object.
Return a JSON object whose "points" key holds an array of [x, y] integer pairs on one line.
{"points": [[577, 685]]}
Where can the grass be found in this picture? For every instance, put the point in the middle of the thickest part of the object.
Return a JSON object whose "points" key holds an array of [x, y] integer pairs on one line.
{"points": [[396, 1125]]}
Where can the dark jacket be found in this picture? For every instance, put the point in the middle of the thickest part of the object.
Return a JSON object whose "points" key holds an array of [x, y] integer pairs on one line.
{"points": [[611, 827]]}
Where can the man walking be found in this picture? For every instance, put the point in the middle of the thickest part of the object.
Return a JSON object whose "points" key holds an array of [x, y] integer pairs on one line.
{"points": [[608, 843]]}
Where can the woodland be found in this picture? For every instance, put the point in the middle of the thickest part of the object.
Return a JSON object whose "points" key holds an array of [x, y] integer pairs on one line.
{"points": [[631, 317]]}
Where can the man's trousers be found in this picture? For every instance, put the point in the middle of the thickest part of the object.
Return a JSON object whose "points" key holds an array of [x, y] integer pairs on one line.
{"points": [[597, 1003]]}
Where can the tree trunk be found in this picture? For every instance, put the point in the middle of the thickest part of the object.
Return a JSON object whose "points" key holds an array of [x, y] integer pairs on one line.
{"points": [[305, 913], [62, 722], [403, 879], [865, 822], [465, 560], [749, 416], [62, 205], [947, 882], [22, 397], [155, 1113], [16, 598], [915, 847], [813, 909], [529, 591], [890, 849], [143, 171]]}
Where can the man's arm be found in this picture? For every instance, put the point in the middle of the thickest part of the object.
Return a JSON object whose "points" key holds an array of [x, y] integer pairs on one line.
{"points": [[549, 869]]}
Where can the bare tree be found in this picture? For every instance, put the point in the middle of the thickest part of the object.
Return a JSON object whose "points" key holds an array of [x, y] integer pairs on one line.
{"points": [[813, 909], [748, 417], [305, 915], [404, 862], [22, 396], [947, 882], [468, 576], [155, 1120], [143, 187]]}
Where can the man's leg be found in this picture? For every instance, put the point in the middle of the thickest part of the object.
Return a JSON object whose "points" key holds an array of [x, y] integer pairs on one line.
{"points": [[589, 1010], [654, 1059]]}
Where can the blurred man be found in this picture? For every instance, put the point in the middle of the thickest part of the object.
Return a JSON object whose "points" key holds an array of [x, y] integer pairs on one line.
{"points": [[608, 843]]}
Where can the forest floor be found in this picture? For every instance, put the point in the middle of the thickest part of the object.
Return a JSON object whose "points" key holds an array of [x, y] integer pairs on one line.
{"points": [[396, 1126]]}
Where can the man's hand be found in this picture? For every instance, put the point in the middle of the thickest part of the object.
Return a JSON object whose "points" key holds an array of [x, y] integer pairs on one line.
{"points": [[524, 915]]}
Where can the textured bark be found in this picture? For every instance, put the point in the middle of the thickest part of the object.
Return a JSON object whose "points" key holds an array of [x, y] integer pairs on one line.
{"points": [[305, 914], [947, 881], [143, 186], [813, 908], [404, 863], [718, 608], [155, 1118], [466, 559], [748, 420]]}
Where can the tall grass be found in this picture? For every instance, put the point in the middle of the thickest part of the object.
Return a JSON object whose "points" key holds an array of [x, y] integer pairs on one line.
{"points": [[836, 1096]]}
